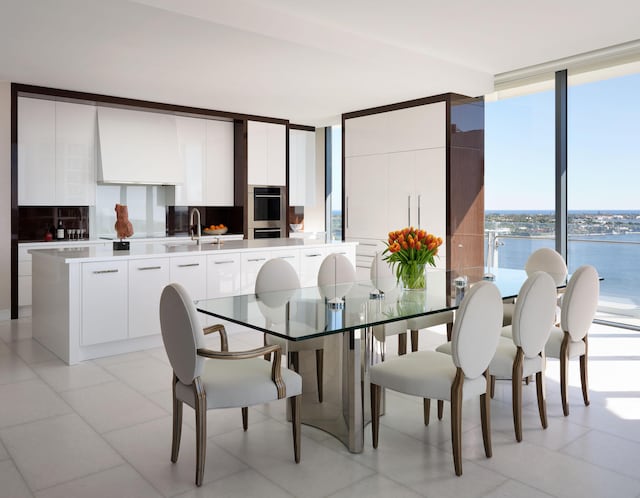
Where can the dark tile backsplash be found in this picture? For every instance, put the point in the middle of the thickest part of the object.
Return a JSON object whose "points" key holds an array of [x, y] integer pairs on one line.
{"points": [[35, 222]]}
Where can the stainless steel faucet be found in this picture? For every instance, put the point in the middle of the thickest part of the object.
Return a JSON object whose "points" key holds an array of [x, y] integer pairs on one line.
{"points": [[195, 236]]}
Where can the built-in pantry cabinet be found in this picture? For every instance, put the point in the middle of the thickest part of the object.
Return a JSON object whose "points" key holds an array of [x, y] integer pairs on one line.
{"points": [[302, 165], [57, 153], [266, 153]]}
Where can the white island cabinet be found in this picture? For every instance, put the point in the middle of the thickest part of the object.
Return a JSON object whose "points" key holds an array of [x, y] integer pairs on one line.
{"points": [[90, 302]]}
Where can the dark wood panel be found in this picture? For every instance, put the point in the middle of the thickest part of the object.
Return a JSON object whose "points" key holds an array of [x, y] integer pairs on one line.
{"points": [[301, 127]]}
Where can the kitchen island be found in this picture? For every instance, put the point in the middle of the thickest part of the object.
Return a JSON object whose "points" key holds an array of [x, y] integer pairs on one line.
{"points": [[92, 301]]}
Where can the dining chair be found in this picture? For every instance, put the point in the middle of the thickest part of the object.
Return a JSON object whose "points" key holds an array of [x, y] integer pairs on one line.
{"points": [[544, 259], [336, 276], [522, 354], [205, 379], [570, 339], [278, 275], [456, 377]]}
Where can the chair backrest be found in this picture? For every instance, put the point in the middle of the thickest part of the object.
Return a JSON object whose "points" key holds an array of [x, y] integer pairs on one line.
{"points": [[381, 274], [548, 261], [476, 329], [336, 276], [534, 313], [276, 275], [580, 302], [181, 332]]}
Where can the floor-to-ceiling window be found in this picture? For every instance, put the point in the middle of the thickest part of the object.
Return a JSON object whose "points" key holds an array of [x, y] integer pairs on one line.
{"points": [[519, 175], [334, 181], [603, 179]]}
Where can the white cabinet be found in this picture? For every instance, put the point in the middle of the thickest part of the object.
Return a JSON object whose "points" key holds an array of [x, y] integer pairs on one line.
{"points": [[366, 196], [250, 265], [147, 279], [206, 154], [291, 256], [219, 171], [104, 302], [310, 261], [56, 153], [302, 165], [192, 143], [223, 275], [266, 153], [190, 272], [36, 152]]}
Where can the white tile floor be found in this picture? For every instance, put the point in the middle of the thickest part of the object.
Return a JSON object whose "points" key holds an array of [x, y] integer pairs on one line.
{"points": [[102, 429]]}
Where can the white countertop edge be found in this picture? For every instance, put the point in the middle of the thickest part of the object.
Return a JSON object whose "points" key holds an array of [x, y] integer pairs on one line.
{"points": [[87, 254]]}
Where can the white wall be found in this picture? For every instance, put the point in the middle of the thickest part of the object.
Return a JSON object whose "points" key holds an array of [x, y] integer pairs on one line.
{"points": [[5, 200]]}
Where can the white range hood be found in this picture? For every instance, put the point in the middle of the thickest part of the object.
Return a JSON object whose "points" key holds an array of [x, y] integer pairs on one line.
{"points": [[138, 147]]}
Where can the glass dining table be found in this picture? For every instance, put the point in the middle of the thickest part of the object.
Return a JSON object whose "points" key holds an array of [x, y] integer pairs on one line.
{"points": [[344, 316]]}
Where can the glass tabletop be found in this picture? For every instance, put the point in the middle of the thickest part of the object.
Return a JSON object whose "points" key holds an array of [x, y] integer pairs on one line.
{"points": [[300, 314]]}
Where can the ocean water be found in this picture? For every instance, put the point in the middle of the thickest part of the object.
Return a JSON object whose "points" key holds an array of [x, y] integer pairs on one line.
{"points": [[615, 256]]}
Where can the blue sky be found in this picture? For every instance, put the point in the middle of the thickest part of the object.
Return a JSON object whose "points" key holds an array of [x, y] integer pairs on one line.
{"points": [[604, 156]]}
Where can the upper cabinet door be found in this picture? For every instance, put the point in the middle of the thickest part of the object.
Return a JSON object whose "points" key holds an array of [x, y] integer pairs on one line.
{"points": [[266, 154], [219, 172], [76, 134], [36, 152], [192, 143]]}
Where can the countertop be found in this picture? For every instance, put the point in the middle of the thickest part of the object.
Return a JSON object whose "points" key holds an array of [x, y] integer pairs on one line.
{"points": [[133, 240], [104, 252]]}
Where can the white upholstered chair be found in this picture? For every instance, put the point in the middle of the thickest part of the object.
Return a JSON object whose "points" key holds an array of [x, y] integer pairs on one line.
{"points": [[463, 375], [205, 379], [336, 276], [546, 260], [570, 340], [522, 354], [278, 275]]}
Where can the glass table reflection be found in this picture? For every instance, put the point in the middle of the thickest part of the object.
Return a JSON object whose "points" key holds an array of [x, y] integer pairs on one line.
{"points": [[349, 345]]}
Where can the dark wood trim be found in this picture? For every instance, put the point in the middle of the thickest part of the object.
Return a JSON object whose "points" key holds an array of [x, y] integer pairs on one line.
{"points": [[287, 219], [344, 192], [301, 127], [240, 168], [14, 201], [443, 97], [58, 93]]}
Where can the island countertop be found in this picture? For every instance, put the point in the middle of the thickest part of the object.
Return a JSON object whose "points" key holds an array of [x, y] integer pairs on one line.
{"points": [[94, 253]]}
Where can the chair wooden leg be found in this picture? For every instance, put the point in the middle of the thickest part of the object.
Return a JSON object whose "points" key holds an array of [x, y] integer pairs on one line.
{"points": [[456, 420], [584, 380], [516, 393], [440, 409], [264, 343], [485, 418], [564, 372], [295, 425], [201, 428], [402, 343], [245, 418], [449, 331], [542, 404], [492, 386], [426, 408], [177, 423], [319, 370], [414, 341], [376, 394]]}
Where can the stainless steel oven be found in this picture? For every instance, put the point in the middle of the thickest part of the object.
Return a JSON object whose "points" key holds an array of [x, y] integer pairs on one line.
{"points": [[266, 212]]}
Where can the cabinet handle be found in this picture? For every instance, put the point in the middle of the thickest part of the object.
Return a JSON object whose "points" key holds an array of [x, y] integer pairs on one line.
{"points": [[368, 244], [253, 260], [224, 262], [143, 268], [408, 210], [419, 202], [312, 255], [97, 272], [186, 265], [286, 257]]}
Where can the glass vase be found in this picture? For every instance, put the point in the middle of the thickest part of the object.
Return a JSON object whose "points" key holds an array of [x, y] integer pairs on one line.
{"points": [[413, 276]]}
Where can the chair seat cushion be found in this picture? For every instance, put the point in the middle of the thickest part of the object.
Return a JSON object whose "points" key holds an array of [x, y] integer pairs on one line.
{"points": [[552, 349], [502, 363], [380, 332], [238, 383], [428, 374], [507, 331], [425, 321], [507, 313]]}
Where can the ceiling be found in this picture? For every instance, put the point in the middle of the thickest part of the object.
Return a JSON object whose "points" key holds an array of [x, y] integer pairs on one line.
{"points": [[306, 61]]}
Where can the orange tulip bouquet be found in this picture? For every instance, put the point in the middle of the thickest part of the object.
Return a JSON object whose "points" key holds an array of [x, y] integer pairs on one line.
{"points": [[408, 251]]}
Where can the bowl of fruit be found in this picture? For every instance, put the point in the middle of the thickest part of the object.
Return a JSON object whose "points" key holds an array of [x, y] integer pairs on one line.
{"points": [[215, 230]]}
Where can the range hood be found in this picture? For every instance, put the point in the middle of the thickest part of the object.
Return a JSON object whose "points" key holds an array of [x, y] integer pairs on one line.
{"points": [[138, 147]]}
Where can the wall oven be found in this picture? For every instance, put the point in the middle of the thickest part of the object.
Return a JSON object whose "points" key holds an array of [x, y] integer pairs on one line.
{"points": [[266, 212]]}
